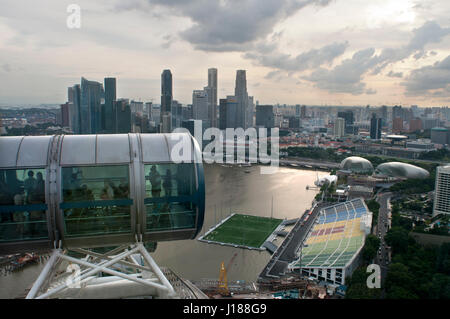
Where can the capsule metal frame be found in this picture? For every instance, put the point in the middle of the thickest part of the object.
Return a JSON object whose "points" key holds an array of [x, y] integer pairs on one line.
{"points": [[57, 152]]}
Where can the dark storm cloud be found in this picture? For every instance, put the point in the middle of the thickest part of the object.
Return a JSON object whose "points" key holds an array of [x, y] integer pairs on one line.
{"points": [[228, 25]]}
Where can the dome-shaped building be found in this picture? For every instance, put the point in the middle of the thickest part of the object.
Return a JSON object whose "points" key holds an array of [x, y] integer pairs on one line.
{"points": [[357, 165], [402, 170]]}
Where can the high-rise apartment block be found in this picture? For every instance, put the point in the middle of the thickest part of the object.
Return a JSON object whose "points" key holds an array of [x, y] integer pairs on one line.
{"points": [[442, 191]]}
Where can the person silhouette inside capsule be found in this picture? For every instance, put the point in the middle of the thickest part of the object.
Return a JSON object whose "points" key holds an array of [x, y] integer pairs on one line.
{"points": [[155, 181]]}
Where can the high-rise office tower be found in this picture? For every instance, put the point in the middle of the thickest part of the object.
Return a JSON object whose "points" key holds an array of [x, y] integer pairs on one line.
{"points": [[339, 127], [384, 115], [375, 127], [241, 95], [303, 112], [349, 118], [74, 98], [90, 107], [200, 104], [65, 115], [212, 96], [109, 112], [166, 102], [264, 116], [176, 114], [250, 111], [228, 113], [123, 123], [441, 203]]}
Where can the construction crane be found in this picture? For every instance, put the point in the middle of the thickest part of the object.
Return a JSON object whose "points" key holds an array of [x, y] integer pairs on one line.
{"points": [[223, 283]]}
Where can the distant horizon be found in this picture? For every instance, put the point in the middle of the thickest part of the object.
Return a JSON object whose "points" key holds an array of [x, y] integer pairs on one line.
{"points": [[57, 105], [308, 52]]}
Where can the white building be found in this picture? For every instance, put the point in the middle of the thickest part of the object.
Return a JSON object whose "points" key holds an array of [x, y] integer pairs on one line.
{"points": [[442, 191], [339, 127]]}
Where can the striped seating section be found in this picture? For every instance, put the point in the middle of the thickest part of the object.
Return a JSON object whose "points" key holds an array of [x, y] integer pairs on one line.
{"points": [[336, 237]]}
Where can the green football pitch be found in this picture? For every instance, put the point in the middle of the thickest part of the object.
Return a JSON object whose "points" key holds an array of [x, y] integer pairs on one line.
{"points": [[244, 230]]}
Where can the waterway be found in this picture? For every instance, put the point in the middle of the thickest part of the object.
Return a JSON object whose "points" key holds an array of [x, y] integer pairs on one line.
{"points": [[228, 189]]}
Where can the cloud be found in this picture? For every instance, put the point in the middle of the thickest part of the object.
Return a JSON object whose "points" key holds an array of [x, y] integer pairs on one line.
{"points": [[6, 67], [168, 40], [429, 32], [346, 77], [393, 74], [432, 80], [228, 25], [304, 61]]}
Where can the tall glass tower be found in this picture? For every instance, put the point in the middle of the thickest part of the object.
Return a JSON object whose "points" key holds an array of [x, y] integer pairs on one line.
{"points": [[109, 112], [74, 97], [90, 107], [212, 96], [166, 102], [241, 95]]}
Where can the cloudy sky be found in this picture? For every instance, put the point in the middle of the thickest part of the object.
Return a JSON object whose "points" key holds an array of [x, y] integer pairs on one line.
{"points": [[336, 52]]}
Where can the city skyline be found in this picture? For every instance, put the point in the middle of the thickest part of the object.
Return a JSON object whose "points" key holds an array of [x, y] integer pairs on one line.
{"points": [[383, 53]]}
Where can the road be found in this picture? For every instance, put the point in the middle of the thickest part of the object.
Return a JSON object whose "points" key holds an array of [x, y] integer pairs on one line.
{"points": [[383, 254], [286, 253]]}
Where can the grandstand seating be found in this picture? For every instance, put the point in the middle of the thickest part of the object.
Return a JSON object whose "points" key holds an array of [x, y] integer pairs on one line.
{"points": [[336, 237]]}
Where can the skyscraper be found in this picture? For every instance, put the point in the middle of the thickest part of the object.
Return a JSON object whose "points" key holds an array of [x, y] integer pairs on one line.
{"points": [[166, 102], [349, 118], [65, 115], [90, 107], [264, 116], [339, 127], [200, 104], [375, 127], [74, 98], [123, 116], [212, 96], [241, 95], [250, 111], [228, 113], [442, 191], [303, 112], [109, 112]]}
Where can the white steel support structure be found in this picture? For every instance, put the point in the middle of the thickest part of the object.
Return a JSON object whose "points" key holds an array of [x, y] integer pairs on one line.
{"points": [[128, 277]]}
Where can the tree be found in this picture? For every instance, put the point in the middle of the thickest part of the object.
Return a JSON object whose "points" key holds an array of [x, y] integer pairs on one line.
{"points": [[397, 238], [370, 248], [357, 286]]}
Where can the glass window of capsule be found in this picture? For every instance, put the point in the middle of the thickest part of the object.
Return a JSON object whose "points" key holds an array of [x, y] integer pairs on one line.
{"points": [[169, 189], [22, 205], [96, 200]]}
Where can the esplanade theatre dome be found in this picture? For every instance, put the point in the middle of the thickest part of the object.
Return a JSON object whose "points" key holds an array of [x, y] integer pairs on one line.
{"points": [[404, 170], [356, 164]]}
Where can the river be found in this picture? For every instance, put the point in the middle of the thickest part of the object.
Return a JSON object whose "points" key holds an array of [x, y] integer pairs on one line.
{"points": [[228, 189]]}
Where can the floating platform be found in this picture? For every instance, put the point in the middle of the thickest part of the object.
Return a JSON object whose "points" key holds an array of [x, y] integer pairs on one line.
{"points": [[243, 231]]}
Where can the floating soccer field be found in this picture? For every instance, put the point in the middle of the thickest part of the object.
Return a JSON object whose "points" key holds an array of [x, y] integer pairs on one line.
{"points": [[242, 230]]}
